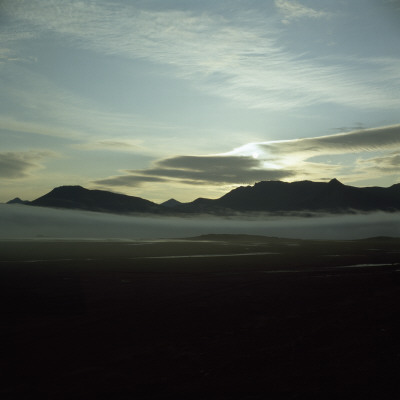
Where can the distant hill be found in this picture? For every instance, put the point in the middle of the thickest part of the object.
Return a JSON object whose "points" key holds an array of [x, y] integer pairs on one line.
{"points": [[17, 200], [78, 197], [266, 196]]}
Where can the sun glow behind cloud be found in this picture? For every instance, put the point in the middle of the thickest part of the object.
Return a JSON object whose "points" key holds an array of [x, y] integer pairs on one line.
{"points": [[278, 159]]}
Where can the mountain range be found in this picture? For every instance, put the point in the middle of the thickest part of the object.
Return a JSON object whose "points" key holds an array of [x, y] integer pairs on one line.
{"points": [[265, 196]]}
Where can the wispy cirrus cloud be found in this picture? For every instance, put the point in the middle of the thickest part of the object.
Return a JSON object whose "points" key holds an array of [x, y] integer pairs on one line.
{"points": [[242, 62], [292, 10], [115, 144], [43, 108], [388, 163], [38, 128], [7, 51], [128, 181], [18, 165], [302, 153], [363, 140], [283, 153], [7, 55]]}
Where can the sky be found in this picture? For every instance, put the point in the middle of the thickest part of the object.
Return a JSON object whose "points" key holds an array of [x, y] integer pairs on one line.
{"points": [[187, 98]]}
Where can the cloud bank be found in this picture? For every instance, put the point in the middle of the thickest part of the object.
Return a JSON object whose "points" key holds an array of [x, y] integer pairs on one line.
{"points": [[46, 223], [18, 165], [276, 160], [204, 170], [365, 140]]}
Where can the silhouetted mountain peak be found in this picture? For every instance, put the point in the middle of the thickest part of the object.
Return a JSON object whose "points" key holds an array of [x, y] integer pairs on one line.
{"points": [[335, 182], [171, 203], [17, 200], [68, 189]]}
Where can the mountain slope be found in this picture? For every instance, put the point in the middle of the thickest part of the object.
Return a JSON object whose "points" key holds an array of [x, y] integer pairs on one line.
{"points": [[78, 197], [266, 196], [17, 200], [273, 196]]}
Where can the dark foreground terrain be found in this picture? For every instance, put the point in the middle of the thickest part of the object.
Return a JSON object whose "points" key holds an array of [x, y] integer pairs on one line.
{"points": [[244, 318]]}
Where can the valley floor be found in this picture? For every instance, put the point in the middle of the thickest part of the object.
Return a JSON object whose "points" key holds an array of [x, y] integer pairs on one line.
{"points": [[214, 317]]}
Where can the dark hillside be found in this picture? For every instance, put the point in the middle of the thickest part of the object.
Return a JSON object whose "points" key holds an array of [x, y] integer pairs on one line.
{"points": [[265, 196], [271, 196], [77, 197]]}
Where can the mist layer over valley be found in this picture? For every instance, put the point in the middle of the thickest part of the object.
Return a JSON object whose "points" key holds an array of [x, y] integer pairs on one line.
{"points": [[20, 222]]}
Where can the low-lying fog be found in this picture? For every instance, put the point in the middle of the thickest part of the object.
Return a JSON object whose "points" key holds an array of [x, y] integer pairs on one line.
{"points": [[20, 221]]}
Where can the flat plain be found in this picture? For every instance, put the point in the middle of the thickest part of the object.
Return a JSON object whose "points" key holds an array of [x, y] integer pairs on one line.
{"points": [[216, 316]]}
